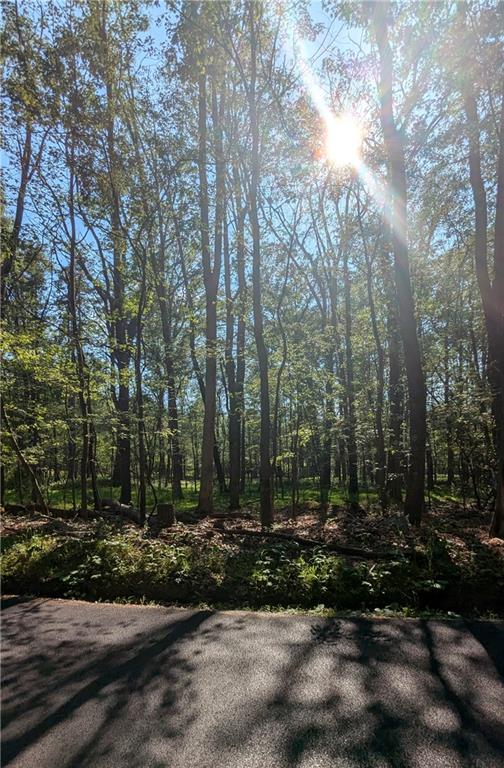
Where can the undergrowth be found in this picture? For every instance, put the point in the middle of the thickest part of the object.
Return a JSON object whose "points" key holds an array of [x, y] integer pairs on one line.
{"points": [[107, 564]]}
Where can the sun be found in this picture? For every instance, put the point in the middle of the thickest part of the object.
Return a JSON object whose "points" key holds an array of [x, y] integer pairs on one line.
{"points": [[343, 141]]}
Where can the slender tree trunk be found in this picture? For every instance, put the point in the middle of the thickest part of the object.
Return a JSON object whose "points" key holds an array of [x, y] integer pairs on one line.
{"points": [[159, 427], [37, 491], [121, 352], [325, 463], [166, 328], [142, 457], [266, 495], [295, 463], [395, 398], [211, 281], [430, 466], [124, 439], [93, 442], [173, 425], [194, 360], [232, 387], [353, 481], [206, 481], [281, 367], [235, 367], [381, 459], [240, 333], [394, 143], [77, 348], [243, 458], [71, 442], [450, 457]]}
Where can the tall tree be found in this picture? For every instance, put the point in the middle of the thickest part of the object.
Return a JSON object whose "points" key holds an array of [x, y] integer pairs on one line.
{"points": [[491, 288], [394, 144], [266, 488], [211, 274]]}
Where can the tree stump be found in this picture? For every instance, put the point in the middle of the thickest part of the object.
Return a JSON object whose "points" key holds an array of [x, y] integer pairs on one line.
{"points": [[165, 515]]}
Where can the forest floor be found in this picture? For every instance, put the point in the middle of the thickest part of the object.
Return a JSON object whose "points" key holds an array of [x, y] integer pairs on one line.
{"points": [[335, 558]]}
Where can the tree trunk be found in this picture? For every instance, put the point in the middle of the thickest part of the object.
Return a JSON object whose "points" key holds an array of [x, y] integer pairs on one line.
{"points": [[194, 359], [266, 494], [230, 368], [450, 457], [394, 454], [381, 459], [124, 439], [142, 457], [37, 492], [353, 481], [211, 281], [430, 466], [325, 463], [491, 292], [121, 352], [77, 348], [276, 408], [235, 366], [394, 143], [173, 419]]}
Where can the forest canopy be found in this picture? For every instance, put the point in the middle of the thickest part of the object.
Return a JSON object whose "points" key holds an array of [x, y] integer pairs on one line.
{"points": [[250, 249]]}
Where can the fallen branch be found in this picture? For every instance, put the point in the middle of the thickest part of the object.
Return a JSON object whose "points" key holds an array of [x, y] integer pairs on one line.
{"points": [[363, 554], [31, 508]]}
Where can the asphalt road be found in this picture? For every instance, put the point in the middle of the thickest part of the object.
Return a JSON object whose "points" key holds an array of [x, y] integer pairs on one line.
{"points": [[106, 685]]}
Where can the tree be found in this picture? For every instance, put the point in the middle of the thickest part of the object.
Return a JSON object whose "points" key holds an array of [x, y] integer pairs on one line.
{"points": [[394, 143], [491, 288], [266, 490], [211, 271]]}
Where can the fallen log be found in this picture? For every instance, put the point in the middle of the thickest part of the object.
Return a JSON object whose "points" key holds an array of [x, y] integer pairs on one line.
{"points": [[16, 508], [31, 508], [113, 507], [363, 554]]}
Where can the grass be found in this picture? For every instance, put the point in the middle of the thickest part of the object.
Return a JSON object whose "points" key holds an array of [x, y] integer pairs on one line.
{"points": [[60, 495]]}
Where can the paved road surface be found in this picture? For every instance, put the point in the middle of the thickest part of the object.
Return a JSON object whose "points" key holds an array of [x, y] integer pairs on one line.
{"points": [[106, 685]]}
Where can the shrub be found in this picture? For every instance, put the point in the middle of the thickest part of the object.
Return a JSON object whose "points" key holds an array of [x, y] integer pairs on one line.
{"points": [[108, 564]]}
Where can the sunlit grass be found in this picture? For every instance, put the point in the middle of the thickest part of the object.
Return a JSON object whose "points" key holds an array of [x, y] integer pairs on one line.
{"points": [[60, 495]]}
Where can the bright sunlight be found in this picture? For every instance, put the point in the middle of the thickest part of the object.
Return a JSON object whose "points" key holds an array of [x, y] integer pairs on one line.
{"points": [[343, 141]]}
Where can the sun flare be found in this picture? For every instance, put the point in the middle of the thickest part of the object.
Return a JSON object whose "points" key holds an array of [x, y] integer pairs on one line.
{"points": [[343, 141]]}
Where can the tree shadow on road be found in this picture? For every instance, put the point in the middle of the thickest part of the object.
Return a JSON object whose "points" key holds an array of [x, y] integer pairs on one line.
{"points": [[489, 635], [151, 670], [206, 689], [397, 694]]}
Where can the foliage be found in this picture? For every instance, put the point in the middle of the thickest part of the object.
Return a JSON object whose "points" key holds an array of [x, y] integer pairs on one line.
{"points": [[110, 564]]}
